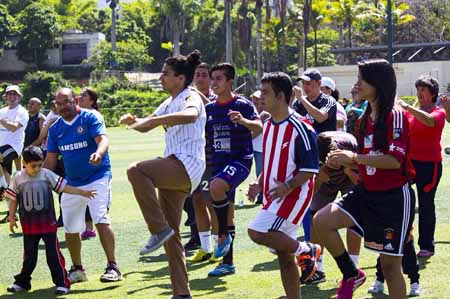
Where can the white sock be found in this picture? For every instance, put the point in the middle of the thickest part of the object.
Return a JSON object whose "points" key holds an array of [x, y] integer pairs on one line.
{"points": [[215, 239], [319, 263], [205, 240], [355, 259], [302, 248], [3, 182]]}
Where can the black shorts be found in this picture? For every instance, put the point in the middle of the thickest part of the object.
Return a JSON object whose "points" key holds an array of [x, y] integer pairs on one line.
{"points": [[383, 218], [204, 183], [327, 193], [9, 155]]}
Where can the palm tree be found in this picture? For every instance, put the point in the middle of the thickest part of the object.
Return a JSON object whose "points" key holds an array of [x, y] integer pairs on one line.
{"points": [[259, 68], [113, 5], [175, 14], [228, 39], [378, 13], [347, 12], [319, 11]]}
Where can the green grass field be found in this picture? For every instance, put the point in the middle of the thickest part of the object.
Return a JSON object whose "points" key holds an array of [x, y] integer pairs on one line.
{"points": [[257, 270]]}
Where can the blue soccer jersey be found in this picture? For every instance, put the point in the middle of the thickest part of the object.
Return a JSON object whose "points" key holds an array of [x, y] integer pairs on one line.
{"points": [[75, 141], [225, 140]]}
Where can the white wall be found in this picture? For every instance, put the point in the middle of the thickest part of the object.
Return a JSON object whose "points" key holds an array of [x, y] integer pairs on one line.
{"points": [[407, 73], [10, 63]]}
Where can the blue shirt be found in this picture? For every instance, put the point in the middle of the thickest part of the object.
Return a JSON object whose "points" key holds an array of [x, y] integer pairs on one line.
{"points": [[226, 141], [75, 141]]}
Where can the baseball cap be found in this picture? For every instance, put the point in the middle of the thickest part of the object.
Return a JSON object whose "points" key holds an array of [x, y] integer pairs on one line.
{"points": [[256, 94], [311, 74], [14, 88], [328, 82]]}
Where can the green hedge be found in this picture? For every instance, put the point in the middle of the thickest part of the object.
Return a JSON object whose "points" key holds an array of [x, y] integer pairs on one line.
{"points": [[141, 103]]}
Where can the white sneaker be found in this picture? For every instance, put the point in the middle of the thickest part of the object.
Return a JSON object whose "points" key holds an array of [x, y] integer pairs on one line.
{"points": [[414, 291], [75, 275], [61, 291], [14, 288], [376, 288]]}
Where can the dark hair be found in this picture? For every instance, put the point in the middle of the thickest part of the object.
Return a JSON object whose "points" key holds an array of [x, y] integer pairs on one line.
{"points": [[431, 83], [32, 154], [203, 65], [280, 82], [93, 96], [227, 69], [381, 75], [335, 94], [324, 145], [185, 65]]}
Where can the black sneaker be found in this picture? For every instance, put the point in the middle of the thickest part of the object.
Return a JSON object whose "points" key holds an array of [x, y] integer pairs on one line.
{"points": [[111, 274], [192, 244], [307, 262], [316, 278]]}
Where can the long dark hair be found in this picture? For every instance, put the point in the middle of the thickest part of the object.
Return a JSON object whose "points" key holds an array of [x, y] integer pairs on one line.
{"points": [[380, 74], [185, 65], [93, 96]]}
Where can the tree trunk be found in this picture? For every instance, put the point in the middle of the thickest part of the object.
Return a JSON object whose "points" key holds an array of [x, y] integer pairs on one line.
{"points": [[113, 29], [306, 14], [300, 56], [315, 46], [228, 42], [176, 37], [259, 68], [283, 12], [349, 34], [267, 57]]}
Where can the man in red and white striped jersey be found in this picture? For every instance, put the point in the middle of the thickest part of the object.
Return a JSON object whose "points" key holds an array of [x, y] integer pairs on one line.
{"points": [[290, 162]]}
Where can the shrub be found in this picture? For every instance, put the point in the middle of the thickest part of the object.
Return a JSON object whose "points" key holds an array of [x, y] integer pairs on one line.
{"points": [[141, 103], [42, 85]]}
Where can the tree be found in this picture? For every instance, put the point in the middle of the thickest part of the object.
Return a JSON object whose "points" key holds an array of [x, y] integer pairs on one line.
{"points": [[39, 31], [5, 27], [378, 14], [346, 12], [319, 10], [129, 56], [175, 14], [259, 67], [228, 35]]}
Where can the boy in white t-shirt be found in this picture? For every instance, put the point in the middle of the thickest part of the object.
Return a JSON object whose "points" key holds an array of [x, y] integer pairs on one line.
{"points": [[13, 121]]}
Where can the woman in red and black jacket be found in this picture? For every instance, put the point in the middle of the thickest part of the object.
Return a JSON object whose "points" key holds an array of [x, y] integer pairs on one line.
{"points": [[381, 208], [426, 124]]}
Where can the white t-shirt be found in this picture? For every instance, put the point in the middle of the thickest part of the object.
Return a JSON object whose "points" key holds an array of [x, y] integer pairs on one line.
{"points": [[186, 142], [14, 139]]}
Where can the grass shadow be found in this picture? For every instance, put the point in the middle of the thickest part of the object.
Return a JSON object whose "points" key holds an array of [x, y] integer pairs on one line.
{"points": [[266, 266], [246, 207], [442, 242], [41, 293], [211, 284], [313, 291], [152, 259], [376, 296], [15, 235], [423, 262], [166, 286]]}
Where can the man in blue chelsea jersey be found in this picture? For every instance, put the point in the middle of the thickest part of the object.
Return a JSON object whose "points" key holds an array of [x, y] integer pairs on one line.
{"points": [[80, 137]]}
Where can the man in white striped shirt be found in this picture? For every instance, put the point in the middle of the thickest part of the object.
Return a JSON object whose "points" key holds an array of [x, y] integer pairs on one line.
{"points": [[177, 174], [290, 162]]}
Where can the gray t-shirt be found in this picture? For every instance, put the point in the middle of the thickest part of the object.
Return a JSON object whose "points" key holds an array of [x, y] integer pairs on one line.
{"points": [[35, 199]]}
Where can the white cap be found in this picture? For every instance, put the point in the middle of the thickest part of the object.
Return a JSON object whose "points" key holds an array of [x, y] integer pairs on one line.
{"points": [[256, 94], [328, 82], [14, 88]]}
